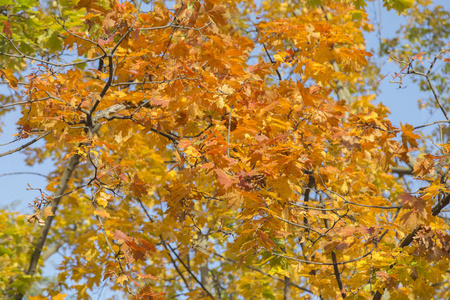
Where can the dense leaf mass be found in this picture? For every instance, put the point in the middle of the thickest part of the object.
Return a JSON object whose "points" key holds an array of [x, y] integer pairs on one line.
{"points": [[221, 149]]}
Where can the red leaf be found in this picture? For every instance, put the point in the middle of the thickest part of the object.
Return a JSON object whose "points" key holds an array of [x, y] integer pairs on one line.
{"points": [[159, 102], [103, 42], [119, 235], [407, 199], [148, 276], [341, 246], [147, 245], [7, 30]]}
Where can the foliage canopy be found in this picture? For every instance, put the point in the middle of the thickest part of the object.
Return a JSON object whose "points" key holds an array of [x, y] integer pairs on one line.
{"points": [[224, 149]]}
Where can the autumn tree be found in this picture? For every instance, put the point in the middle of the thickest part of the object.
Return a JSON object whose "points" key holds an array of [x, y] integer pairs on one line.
{"points": [[224, 150]]}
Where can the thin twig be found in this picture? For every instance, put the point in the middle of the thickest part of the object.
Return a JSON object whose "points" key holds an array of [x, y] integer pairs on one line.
{"points": [[24, 173], [331, 264], [25, 145], [63, 25], [299, 226], [21, 55], [190, 272], [167, 246], [24, 102], [153, 82], [229, 131], [254, 269]]}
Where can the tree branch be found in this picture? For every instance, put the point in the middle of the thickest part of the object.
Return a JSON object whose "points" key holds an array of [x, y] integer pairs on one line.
{"points": [[48, 222], [410, 237], [256, 270], [25, 145]]}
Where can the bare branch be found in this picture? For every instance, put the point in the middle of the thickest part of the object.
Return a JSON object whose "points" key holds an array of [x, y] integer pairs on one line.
{"points": [[299, 226], [24, 102], [430, 124], [24, 173], [337, 274], [25, 145], [402, 170]]}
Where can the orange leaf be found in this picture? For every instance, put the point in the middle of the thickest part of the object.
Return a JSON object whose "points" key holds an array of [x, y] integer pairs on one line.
{"points": [[138, 187], [266, 239], [408, 136], [419, 57], [48, 211], [102, 213], [147, 276], [224, 178]]}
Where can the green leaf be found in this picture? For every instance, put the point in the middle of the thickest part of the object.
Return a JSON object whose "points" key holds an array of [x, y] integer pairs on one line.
{"points": [[54, 43], [398, 5]]}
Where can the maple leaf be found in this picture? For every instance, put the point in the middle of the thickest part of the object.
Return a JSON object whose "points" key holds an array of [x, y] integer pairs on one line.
{"points": [[224, 179], [408, 137], [101, 213], [212, 147], [341, 246], [266, 239], [283, 187], [48, 211], [120, 235], [419, 57], [121, 279], [7, 29], [424, 165], [59, 296], [138, 187], [103, 42], [147, 245], [160, 102], [9, 75], [147, 276], [90, 5], [216, 12]]}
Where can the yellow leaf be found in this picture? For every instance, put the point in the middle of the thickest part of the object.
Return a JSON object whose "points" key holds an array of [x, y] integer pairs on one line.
{"points": [[9, 76], [282, 187], [103, 199], [59, 297], [121, 279], [280, 56], [102, 213], [48, 211]]}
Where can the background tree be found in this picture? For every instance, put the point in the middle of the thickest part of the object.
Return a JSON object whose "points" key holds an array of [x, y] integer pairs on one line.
{"points": [[220, 149]]}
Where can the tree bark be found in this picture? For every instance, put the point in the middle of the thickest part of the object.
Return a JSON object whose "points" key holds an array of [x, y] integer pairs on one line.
{"points": [[74, 161]]}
